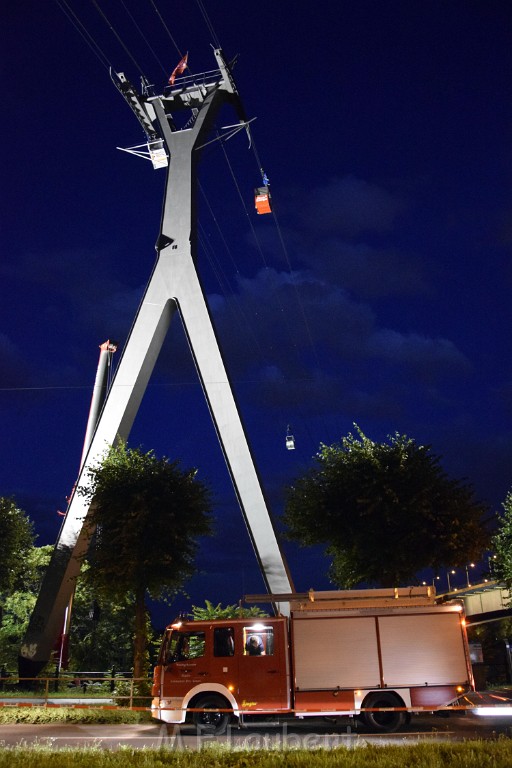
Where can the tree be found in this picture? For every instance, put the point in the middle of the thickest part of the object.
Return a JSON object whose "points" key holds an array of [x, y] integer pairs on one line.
{"points": [[19, 603], [94, 624], [92, 630], [502, 544], [210, 611], [384, 511], [16, 540], [147, 514]]}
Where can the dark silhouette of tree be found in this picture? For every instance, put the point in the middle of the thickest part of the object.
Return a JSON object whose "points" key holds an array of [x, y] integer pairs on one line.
{"points": [[146, 516], [16, 540], [18, 603], [384, 511], [502, 544]]}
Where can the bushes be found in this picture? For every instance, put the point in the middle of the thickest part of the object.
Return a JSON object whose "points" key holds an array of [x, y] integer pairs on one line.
{"points": [[42, 715]]}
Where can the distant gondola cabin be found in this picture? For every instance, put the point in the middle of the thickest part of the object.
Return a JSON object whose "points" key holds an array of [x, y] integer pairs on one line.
{"points": [[262, 200]]}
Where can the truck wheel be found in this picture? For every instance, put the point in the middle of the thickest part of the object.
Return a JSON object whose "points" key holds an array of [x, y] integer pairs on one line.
{"points": [[211, 721], [383, 722]]}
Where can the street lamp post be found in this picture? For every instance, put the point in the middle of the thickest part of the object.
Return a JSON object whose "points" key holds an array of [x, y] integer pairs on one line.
{"points": [[471, 565], [448, 579]]}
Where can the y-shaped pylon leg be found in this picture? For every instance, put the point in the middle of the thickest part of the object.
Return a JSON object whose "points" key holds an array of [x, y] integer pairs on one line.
{"points": [[174, 284]]}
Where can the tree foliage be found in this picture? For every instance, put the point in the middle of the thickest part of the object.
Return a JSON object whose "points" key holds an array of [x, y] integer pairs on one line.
{"points": [[92, 631], [19, 604], [502, 544], [16, 540], [102, 631], [147, 514], [210, 611], [384, 511]]}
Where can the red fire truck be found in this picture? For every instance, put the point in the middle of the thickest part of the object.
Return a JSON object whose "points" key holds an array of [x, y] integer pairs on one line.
{"points": [[377, 654]]}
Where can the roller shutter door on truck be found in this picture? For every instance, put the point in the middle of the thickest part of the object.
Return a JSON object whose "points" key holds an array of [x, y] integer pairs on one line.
{"points": [[331, 652], [422, 649]]}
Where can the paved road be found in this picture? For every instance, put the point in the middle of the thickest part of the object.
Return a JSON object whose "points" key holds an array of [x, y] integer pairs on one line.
{"points": [[308, 735]]}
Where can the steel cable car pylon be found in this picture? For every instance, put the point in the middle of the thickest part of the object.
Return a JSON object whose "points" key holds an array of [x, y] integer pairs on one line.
{"points": [[173, 285]]}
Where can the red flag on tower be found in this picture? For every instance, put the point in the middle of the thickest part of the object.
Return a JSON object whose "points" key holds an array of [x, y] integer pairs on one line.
{"points": [[178, 70]]}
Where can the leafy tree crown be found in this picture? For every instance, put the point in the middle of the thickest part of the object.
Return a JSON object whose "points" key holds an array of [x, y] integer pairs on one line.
{"points": [[384, 511]]}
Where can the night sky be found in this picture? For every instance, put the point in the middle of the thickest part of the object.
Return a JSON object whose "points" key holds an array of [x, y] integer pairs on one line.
{"points": [[382, 296]]}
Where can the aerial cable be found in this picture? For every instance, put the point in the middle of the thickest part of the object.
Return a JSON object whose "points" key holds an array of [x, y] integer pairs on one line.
{"points": [[82, 31], [223, 279], [166, 28], [232, 131], [297, 294], [284, 314], [287, 258], [214, 262], [118, 38], [257, 242], [256, 155], [284, 249], [219, 230], [143, 36], [208, 24]]}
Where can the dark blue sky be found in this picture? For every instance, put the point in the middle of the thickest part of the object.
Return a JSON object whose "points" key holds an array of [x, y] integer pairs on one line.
{"points": [[382, 299]]}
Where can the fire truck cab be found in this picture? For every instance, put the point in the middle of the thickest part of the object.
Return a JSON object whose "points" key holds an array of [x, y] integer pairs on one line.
{"points": [[232, 666]]}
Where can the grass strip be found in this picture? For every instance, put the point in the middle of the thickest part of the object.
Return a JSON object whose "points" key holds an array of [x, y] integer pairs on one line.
{"points": [[46, 715], [473, 754]]}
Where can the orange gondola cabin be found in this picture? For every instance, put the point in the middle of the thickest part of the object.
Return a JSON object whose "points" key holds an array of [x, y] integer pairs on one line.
{"points": [[262, 200]]}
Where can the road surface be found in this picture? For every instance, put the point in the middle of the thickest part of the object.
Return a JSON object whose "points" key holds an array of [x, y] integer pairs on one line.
{"points": [[309, 735]]}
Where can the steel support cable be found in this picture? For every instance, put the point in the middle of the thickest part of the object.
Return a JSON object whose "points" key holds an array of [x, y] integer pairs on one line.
{"points": [[209, 24], [290, 272], [289, 264], [224, 283], [295, 288], [219, 230], [84, 33], [236, 298], [118, 38], [216, 41], [141, 33], [213, 261], [251, 225], [281, 308], [166, 28], [255, 152]]}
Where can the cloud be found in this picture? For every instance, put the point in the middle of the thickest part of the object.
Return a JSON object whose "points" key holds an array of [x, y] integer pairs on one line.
{"points": [[365, 270], [350, 206], [341, 231], [73, 295], [417, 351], [303, 339], [282, 332]]}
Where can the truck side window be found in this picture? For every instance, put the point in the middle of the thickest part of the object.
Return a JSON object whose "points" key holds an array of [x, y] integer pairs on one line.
{"points": [[258, 640], [193, 645], [223, 641], [181, 646]]}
